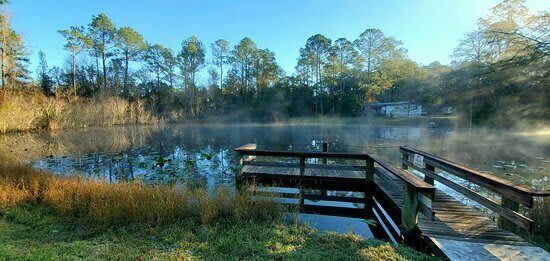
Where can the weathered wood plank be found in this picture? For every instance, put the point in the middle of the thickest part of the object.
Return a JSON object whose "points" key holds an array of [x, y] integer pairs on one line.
{"points": [[249, 146], [407, 177], [306, 154]]}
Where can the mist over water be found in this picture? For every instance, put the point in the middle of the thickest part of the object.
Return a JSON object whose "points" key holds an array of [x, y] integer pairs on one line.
{"points": [[177, 152], [202, 155]]}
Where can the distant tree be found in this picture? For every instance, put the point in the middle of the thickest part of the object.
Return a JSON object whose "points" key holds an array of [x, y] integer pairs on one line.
{"points": [[340, 73], [42, 71], [76, 42], [14, 56], [220, 56], [56, 75], [102, 33], [314, 56], [473, 47], [192, 59], [347, 56], [154, 58], [170, 65], [376, 47], [132, 45], [268, 72], [242, 58]]}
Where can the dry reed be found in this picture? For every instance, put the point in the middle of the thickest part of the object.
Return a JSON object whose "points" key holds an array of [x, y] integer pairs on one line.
{"points": [[104, 203]]}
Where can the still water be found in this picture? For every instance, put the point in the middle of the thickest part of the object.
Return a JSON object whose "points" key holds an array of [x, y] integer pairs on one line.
{"points": [[201, 155]]}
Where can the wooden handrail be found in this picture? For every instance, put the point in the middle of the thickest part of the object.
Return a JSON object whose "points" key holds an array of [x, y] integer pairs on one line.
{"points": [[517, 193], [405, 176], [299, 154], [512, 194]]}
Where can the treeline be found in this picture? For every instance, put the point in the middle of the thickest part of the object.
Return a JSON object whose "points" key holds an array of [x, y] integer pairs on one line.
{"points": [[499, 72]]}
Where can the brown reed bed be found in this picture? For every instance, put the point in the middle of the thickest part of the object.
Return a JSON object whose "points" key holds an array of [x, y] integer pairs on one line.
{"points": [[101, 202]]}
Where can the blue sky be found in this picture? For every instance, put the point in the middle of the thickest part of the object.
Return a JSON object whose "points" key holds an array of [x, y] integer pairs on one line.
{"points": [[429, 29]]}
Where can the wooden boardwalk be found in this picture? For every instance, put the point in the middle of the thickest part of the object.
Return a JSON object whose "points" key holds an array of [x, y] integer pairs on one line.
{"points": [[462, 232], [443, 224]]}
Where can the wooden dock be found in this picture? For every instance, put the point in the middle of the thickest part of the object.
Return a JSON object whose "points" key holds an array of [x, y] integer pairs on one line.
{"points": [[407, 207]]}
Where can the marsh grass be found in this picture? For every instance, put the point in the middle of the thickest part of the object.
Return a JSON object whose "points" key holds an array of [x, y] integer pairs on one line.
{"points": [[38, 233], [109, 204], [32, 110], [46, 217]]}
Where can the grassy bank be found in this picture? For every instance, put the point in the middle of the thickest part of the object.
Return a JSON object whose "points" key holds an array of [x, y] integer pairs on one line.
{"points": [[38, 233], [47, 217], [32, 110]]}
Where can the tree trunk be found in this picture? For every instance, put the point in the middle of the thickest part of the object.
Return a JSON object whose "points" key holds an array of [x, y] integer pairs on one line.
{"points": [[4, 47], [3, 57], [126, 89], [103, 58], [74, 74], [221, 72]]}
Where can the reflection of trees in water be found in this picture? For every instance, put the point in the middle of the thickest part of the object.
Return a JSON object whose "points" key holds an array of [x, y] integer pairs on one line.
{"points": [[479, 148]]}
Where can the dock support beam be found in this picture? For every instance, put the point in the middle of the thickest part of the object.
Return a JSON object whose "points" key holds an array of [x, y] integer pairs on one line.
{"points": [[502, 221], [409, 214], [405, 157], [325, 149], [369, 183], [427, 178], [302, 166], [324, 161]]}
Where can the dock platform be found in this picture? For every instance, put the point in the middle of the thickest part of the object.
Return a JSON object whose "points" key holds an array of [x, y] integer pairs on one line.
{"points": [[408, 207]]}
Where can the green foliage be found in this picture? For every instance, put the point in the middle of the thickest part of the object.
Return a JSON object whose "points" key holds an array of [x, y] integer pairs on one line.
{"points": [[499, 73], [192, 59], [37, 233]]}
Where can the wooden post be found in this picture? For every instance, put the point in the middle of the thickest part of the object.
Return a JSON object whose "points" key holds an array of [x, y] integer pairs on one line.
{"points": [[503, 222], [324, 161], [369, 178], [405, 157], [302, 165], [325, 149], [369, 183], [428, 179], [301, 191], [409, 214]]}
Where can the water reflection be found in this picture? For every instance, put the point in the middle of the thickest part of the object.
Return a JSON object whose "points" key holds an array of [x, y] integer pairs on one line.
{"points": [[516, 157], [201, 155]]}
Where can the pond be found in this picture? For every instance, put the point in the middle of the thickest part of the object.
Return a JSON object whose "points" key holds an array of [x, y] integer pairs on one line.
{"points": [[201, 154]]}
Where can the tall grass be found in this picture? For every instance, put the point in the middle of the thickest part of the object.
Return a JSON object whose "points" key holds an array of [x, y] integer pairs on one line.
{"points": [[104, 203], [31, 110]]}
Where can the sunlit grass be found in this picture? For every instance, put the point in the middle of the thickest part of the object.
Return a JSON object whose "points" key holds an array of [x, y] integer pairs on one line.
{"points": [[37, 233], [45, 217], [32, 110], [101, 202]]}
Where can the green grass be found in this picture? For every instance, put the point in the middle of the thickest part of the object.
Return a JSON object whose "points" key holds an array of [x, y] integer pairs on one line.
{"points": [[46, 217], [38, 233]]}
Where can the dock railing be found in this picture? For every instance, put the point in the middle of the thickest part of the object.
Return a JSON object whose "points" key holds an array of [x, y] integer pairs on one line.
{"points": [[512, 195], [417, 194]]}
